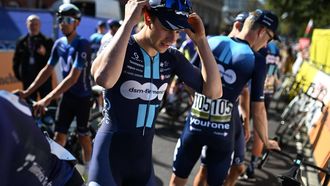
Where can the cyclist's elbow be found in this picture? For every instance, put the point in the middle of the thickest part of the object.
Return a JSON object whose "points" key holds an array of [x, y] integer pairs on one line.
{"points": [[103, 81], [213, 94], [218, 92]]}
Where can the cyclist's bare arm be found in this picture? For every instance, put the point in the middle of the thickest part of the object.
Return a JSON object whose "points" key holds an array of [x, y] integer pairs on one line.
{"points": [[41, 78], [67, 82], [260, 124], [244, 103], [212, 86], [108, 65]]}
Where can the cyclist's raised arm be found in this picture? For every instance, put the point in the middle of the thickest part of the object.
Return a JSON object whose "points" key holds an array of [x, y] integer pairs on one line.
{"points": [[212, 86], [108, 65]]}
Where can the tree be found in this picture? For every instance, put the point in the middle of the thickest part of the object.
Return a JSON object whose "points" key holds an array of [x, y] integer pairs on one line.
{"points": [[295, 14]]}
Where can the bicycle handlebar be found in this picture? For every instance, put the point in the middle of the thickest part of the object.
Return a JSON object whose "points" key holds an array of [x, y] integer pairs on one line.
{"points": [[297, 162]]}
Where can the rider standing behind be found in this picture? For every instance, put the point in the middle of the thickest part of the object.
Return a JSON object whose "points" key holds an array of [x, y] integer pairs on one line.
{"points": [[212, 122], [73, 52], [135, 71], [96, 38]]}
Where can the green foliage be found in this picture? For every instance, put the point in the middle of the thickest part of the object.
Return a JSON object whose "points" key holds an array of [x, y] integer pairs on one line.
{"points": [[295, 14]]}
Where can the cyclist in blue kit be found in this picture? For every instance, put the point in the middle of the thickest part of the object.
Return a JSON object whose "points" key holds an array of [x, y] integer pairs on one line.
{"points": [[135, 71], [74, 55], [272, 55], [210, 122], [27, 157]]}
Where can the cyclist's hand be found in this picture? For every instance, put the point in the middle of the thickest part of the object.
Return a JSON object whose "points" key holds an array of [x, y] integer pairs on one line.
{"points": [[20, 93], [39, 108], [134, 10], [198, 27], [272, 144], [247, 134], [42, 50]]}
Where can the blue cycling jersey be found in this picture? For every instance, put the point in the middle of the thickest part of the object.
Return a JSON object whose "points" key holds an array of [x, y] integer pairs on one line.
{"points": [[210, 122], [132, 104], [122, 152], [237, 64], [272, 55], [76, 54], [95, 40]]}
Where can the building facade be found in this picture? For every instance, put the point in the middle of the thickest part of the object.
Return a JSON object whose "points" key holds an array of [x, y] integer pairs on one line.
{"points": [[211, 14]]}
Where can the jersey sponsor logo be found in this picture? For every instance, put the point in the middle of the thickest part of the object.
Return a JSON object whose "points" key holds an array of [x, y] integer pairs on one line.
{"points": [[136, 57], [177, 146], [229, 76], [271, 59], [106, 109], [192, 128], [62, 48], [35, 169], [164, 64], [148, 91], [219, 110], [65, 65], [210, 124], [237, 160], [83, 55]]}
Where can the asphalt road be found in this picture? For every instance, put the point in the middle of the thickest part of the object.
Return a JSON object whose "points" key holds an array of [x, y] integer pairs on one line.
{"points": [[167, 133]]}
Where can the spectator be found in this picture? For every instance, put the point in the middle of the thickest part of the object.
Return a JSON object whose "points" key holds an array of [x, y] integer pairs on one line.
{"points": [[31, 55], [288, 61], [73, 53]]}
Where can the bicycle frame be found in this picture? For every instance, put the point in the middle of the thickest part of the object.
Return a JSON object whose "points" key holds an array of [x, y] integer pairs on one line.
{"points": [[293, 176]]}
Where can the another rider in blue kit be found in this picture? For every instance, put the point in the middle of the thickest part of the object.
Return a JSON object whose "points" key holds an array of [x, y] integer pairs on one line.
{"points": [[27, 157], [135, 71], [211, 122], [74, 55]]}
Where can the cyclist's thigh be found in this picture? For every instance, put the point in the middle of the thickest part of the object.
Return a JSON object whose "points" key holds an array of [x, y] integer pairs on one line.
{"points": [[239, 147], [64, 115], [82, 114], [121, 158], [187, 152], [218, 164], [99, 170], [131, 157]]}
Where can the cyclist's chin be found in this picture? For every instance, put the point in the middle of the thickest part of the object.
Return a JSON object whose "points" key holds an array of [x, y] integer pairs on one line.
{"points": [[65, 31], [162, 48]]}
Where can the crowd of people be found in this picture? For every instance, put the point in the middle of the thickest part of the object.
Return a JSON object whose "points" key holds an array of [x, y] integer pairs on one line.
{"points": [[134, 62]]}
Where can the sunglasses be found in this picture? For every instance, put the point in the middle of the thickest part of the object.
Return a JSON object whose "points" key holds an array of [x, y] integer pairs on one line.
{"points": [[179, 6], [269, 35], [65, 20]]}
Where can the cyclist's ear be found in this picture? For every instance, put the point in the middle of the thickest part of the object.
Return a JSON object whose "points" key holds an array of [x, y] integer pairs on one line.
{"points": [[147, 18]]}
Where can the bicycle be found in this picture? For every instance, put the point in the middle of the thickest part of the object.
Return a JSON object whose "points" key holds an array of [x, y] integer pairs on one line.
{"points": [[45, 122], [47, 125], [299, 113], [290, 86], [177, 101], [293, 176]]}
